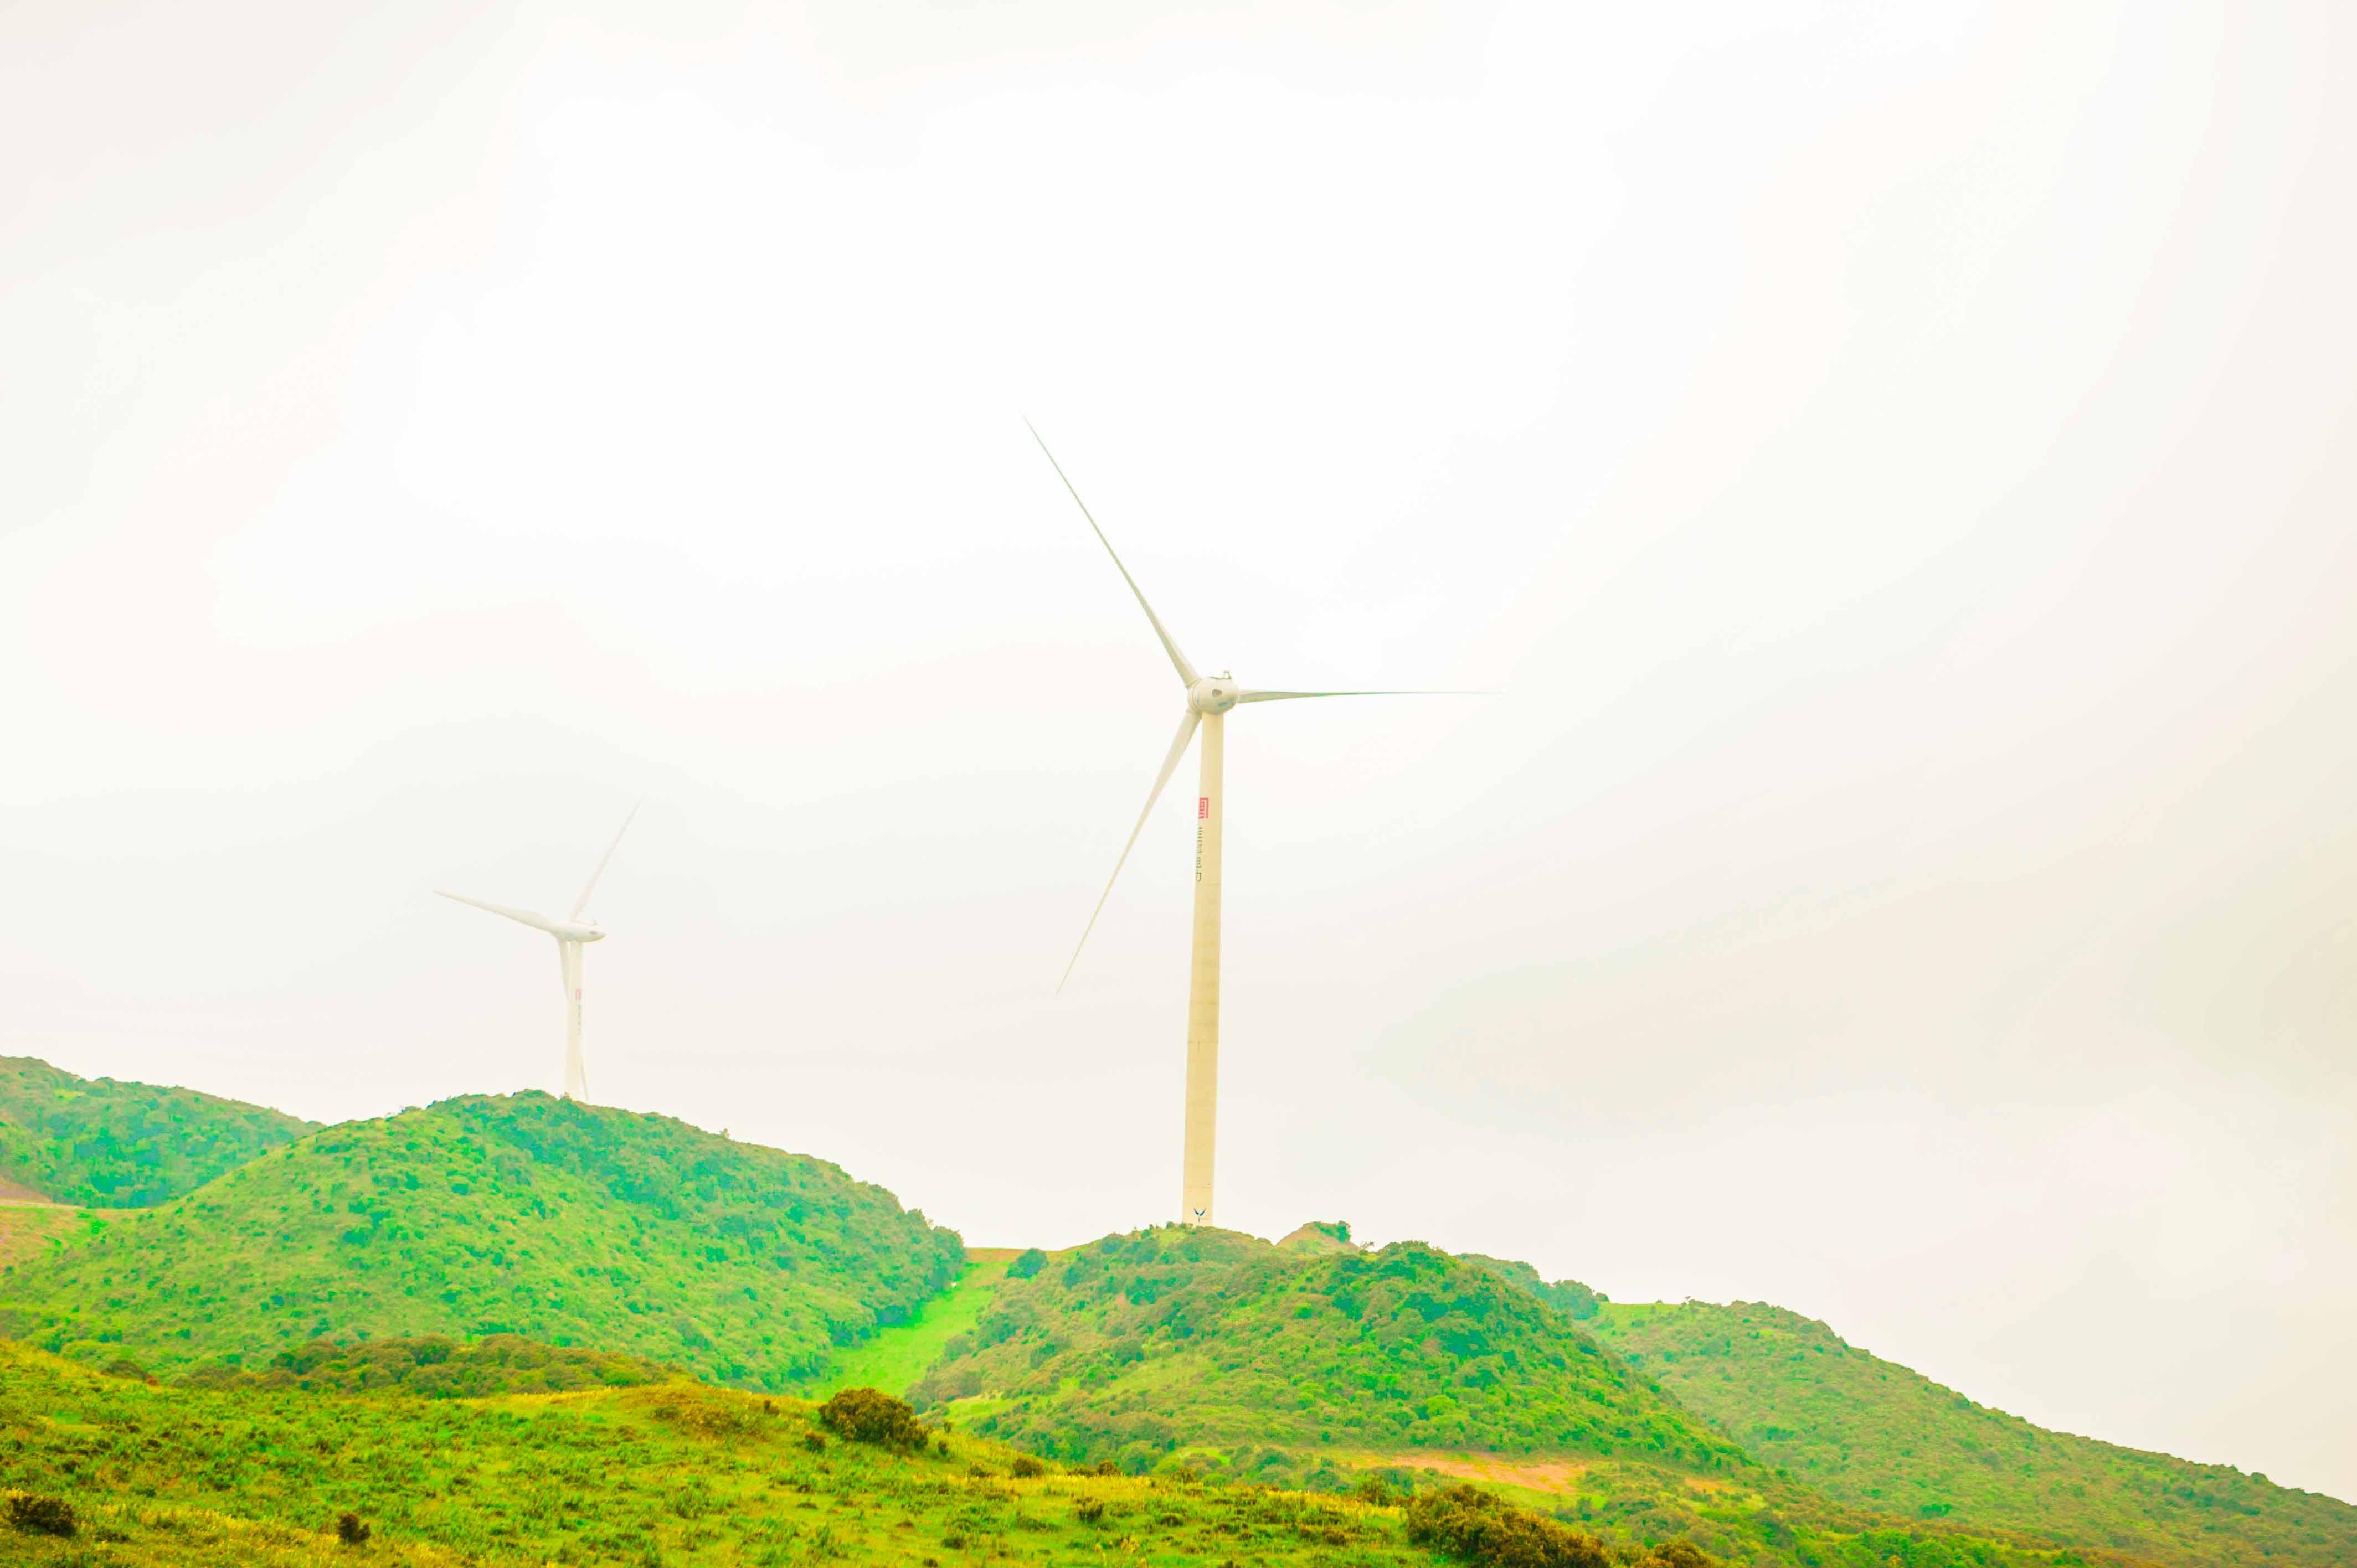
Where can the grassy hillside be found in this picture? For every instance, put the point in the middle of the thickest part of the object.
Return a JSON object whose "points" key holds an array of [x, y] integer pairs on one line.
{"points": [[678, 1473], [573, 1224], [1210, 1352], [30, 1230], [895, 1358], [1872, 1433], [98, 1143]]}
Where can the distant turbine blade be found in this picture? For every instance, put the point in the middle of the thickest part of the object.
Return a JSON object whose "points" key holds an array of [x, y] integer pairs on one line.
{"points": [[1287, 696], [591, 887], [525, 917], [1169, 765], [1177, 659]]}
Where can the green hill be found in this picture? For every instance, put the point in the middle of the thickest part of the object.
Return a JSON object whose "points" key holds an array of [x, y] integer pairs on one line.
{"points": [[674, 1474], [1872, 1433], [1208, 1352], [98, 1143], [1136, 1345], [573, 1224]]}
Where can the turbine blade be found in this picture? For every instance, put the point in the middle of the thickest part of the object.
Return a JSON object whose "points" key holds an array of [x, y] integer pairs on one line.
{"points": [[525, 917], [1177, 659], [1169, 765], [583, 902], [1287, 696]]}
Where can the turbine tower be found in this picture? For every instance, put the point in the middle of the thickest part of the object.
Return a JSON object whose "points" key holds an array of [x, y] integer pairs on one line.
{"points": [[1208, 699], [572, 933]]}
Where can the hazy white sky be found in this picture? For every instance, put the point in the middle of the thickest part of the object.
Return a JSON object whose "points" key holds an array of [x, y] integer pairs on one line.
{"points": [[1897, 463]]}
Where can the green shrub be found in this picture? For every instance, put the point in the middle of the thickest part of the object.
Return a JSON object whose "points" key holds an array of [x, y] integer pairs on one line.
{"points": [[1484, 1529], [1026, 1468], [37, 1515], [1031, 1262], [870, 1416], [1088, 1511], [1677, 1554]]}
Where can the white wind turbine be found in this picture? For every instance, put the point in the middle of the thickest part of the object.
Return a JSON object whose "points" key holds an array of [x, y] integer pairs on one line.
{"points": [[1208, 698], [572, 933]]}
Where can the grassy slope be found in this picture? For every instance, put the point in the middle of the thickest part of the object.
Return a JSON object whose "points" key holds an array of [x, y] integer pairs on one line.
{"points": [[34, 1231], [896, 1357], [674, 1475], [1876, 1434], [570, 1224], [1248, 1361], [99, 1143]]}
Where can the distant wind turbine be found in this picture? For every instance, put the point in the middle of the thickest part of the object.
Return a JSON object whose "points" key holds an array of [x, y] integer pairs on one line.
{"points": [[1208, 698], [571, 933]]}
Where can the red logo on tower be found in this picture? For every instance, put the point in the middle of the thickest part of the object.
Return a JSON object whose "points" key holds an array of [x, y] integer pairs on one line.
{"points": [[1202, 807]]}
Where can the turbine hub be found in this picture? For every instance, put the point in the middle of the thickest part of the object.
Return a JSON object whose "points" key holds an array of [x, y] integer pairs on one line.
{"points": [[1213, 694]]}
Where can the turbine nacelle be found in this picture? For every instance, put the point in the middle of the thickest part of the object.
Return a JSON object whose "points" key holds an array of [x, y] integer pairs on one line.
{"points": [[575, 931], [1214, 694]]}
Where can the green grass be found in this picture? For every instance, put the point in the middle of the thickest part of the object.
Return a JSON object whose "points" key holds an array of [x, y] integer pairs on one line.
{"points": [[29, 1231], [678, 1473], [1875, 1434], [101, 1143], [896, 1357], [573, 1224]]}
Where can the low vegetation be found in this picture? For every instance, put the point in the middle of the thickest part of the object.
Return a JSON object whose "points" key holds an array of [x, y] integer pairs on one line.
{"points": [[433, 1367], [577, 1225], [95, 1143], [677, 1474]]}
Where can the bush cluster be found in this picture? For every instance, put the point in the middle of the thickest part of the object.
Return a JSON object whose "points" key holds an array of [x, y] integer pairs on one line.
{"points": [[870, 1416], [37, 1515], [1484, 1529]]}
